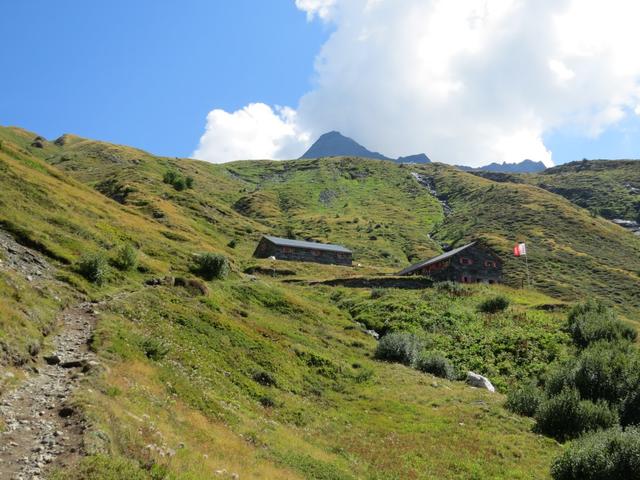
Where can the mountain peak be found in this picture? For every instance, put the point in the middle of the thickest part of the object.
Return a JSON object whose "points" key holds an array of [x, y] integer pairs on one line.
{"points": [[334, 144], [417, 158]]}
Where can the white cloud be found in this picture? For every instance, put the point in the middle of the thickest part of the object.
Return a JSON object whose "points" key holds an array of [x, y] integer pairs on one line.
{"points": [[254, 132], [469, 82], [321, 8]]}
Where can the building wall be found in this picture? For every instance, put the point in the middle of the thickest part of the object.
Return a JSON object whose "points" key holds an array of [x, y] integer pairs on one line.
{"points": [[267, 249], [475, 264]]}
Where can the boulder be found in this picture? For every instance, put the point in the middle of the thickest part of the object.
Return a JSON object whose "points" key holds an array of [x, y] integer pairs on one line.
{"points": [[479, 381], [52, 359]]}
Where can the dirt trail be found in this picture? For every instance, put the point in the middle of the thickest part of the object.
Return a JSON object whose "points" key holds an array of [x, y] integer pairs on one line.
{"points": [[42, 429]]}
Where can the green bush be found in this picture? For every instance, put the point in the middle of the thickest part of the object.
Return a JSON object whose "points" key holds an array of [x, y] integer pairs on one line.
{"points": [[211, 265], [593, 321], [93, 267], [126, 258], [607, 455], [179, 184], [630, 407], [170, 177], [401, 347], [494, 305], [177, 180], [605, 371], [560, 377], [565, 416], [154, 349], [436, 364], [525, 400]]}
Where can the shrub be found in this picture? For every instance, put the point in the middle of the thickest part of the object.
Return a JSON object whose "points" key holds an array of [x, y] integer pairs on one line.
{"points": [[401, 347], [565, 416], [593, 321], [177, 180], [211, 265], [435, 364], [93, 267], [154, 349], [563, 376], [232, 243], [606, 371], [494, 304], [525, 400], [377, 293], [264, 378], [630, 408], [126, 258], [170, 176], [611, 454], [179, 184], [454, 289]]}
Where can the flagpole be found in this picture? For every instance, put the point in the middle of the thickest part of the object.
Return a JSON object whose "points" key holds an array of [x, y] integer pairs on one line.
{"points": [[526, 262]]}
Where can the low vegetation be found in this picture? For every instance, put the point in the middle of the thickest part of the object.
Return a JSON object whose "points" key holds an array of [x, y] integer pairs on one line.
{"points": [[126, 258], [612, 454], [436, 364], [595, 390], [211, 266], [177, 180], [93, 267], [513, 344]]}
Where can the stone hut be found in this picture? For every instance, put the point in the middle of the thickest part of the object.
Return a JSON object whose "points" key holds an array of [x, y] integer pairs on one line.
{"points": [[471, 263], [301, 251]]}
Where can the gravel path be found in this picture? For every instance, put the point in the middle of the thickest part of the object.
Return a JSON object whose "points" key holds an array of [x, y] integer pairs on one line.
{"points": [[42, 428]]}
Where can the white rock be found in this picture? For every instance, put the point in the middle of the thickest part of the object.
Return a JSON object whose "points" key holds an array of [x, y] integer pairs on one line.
{"points": [[479, 381]]}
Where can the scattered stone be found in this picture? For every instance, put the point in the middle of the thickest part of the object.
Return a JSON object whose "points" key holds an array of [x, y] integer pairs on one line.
{"points": [[52, 359], [373, 333], [73, 364]]}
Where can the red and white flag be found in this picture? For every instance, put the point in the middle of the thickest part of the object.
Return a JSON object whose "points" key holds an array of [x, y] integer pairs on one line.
{"points": [[520, 249]]}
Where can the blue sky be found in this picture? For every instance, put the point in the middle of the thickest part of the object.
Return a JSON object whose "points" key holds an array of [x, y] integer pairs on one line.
{"points": [[147, 73]]}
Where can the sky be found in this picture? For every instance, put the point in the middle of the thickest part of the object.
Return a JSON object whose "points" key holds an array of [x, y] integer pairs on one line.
{"points": [[466, 82]]}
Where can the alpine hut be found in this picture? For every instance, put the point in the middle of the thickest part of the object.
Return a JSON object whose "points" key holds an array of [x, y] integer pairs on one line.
{"points": [[301, 251], [471, 263]]}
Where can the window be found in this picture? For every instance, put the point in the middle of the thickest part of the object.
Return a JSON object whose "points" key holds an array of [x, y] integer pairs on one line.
{"points": [[465, 261], [490, 264], [315, 253]]}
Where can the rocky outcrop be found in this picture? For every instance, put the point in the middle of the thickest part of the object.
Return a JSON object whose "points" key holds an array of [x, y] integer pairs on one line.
{"points": [[631, 225], [478, 381], [427, 182]]}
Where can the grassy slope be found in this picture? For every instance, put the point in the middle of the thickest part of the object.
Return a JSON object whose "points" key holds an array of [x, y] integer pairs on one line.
{"points": [[333, 411], [571, 253], [602, 186]]}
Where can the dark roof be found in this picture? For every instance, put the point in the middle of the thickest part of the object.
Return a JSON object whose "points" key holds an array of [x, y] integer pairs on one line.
{"points": [[444, 256], [287, 242]]}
